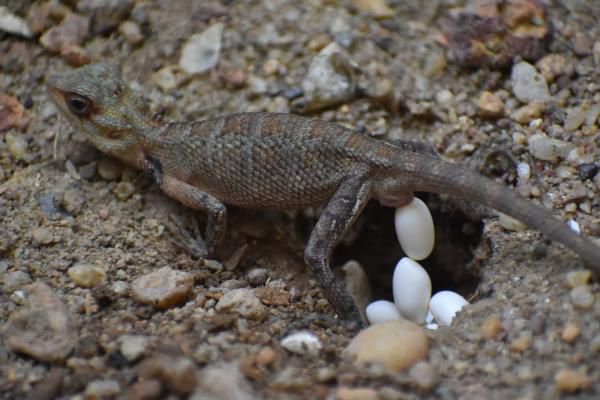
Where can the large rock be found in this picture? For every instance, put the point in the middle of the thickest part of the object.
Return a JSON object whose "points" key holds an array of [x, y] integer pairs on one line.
{"points": [[395, 345]]}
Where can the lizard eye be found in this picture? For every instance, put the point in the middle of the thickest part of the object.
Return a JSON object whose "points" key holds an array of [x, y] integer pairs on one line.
{"points": [[78, 105]]}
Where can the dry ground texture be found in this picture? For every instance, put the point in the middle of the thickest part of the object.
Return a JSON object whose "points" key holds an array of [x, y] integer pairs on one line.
{"points": [[434, 71]]}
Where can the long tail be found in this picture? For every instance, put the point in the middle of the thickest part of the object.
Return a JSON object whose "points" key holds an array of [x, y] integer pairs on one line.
{"points": [[422, 172]]}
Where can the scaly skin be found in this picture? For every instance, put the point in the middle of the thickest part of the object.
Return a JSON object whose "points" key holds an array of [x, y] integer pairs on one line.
{"points": [[280, 161]]}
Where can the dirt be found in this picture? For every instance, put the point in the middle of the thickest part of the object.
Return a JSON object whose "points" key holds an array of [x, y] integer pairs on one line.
{"points": [[66, 204]]}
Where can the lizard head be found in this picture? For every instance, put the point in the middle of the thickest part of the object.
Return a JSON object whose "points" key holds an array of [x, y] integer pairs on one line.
{"points": [[99, 104]]}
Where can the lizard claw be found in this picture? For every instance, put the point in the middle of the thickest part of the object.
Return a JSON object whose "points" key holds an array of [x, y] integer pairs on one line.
{"points": [[182, 238]]}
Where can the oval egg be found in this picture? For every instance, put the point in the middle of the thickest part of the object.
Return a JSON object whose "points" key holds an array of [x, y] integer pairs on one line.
{"points": [[414, 229], [445, 304], [381, 311], [412, 290]]}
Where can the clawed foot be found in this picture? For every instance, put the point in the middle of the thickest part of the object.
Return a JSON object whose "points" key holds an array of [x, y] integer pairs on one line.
{"points": [[182, 238]]}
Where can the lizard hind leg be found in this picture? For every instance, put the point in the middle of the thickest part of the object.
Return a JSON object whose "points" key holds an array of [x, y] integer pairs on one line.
{"points": [[335, 220]]}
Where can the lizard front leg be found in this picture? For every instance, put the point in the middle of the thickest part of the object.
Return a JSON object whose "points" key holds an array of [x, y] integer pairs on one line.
{"points": [[344, 207], [193, 197]]}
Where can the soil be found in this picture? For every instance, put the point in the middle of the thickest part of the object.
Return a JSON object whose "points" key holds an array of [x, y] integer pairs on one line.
{"points": [[68, 204]]}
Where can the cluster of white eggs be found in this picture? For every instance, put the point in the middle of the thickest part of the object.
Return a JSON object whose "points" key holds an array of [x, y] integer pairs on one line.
{"points": [[411, 283]]}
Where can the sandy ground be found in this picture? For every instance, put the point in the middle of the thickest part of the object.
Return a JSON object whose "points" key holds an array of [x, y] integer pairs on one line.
{"points": [[523, 337]]}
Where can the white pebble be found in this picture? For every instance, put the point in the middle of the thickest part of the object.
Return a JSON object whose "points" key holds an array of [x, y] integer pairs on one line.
{"points": [[302, 342], [574, 226], [381, 311], [414, 228], [432, 326], [412, 289], [523, 170], [429, 318], [202, 50], [445, 304]]}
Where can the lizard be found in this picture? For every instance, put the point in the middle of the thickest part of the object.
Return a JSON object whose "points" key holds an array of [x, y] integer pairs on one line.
{"points": [[280, 161]]}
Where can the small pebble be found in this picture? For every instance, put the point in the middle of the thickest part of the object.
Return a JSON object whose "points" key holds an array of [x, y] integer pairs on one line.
{"points": [[242, 302], [582, 296], [133, 346], [582, 44], [552, 66], [257, 276], [168, 77], [102, 389], [587, 170], [201, 51], [572, 224], [529, 112], [521, 343], [231, 284], [576, 278], [109, 169], [570, 333], [75, 55], [596, 53], [330, 79], [571, 381], [73, 200], [15, 280], [124, 190], [544, 148], [164, 288], [347, 393], [41, 237], [396, 345], [86, 275], [144, 390], [510, 224], [302, 343], [523, 170], [272, 296], [11, 23], [528, 84], [424, 376], [120, 287], [223, 381], [445, 98], [43, 328], [377, 8], [132, 32], [177, 373], [491, 327], [213, 265], [16, 145], [490, 105], [72, 30], [575, 118]]}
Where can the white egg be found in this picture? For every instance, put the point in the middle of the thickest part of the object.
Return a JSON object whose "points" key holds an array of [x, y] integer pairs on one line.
{"points": [[412, 290], [382, 311], [445, 304], [414, 229]]}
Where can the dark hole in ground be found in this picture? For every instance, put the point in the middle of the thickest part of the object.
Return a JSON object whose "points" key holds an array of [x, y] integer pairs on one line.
{"points": [[375, 247]]}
